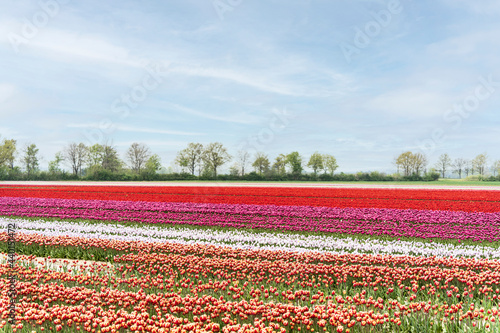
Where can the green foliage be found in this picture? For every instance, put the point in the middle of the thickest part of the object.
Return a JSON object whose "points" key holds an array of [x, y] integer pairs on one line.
{"points": [[294, 161], [279, 164], [214, 156], [330, 163], [8, 153], [30, 160], [55, 165], [190, 157], [431, 176], [234, 171], [316, 162], [261, 163], [475, 178], [153, 165]]}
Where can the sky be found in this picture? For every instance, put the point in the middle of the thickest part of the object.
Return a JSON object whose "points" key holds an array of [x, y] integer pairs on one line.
{"points": [[361, 80]]}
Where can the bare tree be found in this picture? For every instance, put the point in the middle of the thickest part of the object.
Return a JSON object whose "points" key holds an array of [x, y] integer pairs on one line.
{"points": [[496, 168], [419, 163], [459, 165], [215, 155], [137, 155], [443, 163], [468, 168], [479, 163], [75, 154], [243, 157]]}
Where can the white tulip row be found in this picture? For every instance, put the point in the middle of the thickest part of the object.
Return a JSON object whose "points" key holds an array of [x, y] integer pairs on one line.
{"points": [[246, 239]]}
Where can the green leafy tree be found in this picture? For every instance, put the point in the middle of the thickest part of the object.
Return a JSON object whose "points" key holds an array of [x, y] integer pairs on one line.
{"points": [[110, 159], [234, 170], [94, 156], [206, 171], [30, 159], [191, 157], [153, 165], [261, 163], [214, 156], [294, 161], [8, 153], [404, 162], [330, 163], [411, 164], [316, 162], [55, 165], [280, 164]]}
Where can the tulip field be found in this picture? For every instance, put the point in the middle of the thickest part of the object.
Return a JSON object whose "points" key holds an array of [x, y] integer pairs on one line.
{"points": [[251, 259]]}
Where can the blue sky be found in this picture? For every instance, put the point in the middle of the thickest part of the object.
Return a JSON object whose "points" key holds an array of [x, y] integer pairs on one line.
{"points": [[362, 80]]}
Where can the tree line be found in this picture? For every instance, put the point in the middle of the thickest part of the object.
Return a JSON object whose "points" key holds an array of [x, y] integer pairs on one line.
{"points": [[197, 161], [414, 165], [204, 162], [96, 162]]}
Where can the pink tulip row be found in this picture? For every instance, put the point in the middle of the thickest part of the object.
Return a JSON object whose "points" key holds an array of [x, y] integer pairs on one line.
{"points": [[369, 221]]}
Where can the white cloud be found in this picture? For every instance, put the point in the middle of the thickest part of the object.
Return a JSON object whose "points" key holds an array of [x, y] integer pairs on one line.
{"points": [[412, 103], [67, 46], [63, 44], [124, 128], [476, 44], [260, 80], [154, 131], [239, 118], [488, 7]]}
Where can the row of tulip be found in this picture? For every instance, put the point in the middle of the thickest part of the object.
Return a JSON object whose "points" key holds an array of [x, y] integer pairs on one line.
{"points": [[475, 226], [424, 193], [157, 287], [456, 200], [247, 239], [171, 277]]}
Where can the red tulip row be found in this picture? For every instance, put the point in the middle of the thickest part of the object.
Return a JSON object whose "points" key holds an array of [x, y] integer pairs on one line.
{"points": [[211, 251], [456, 200], [208, 288]]}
